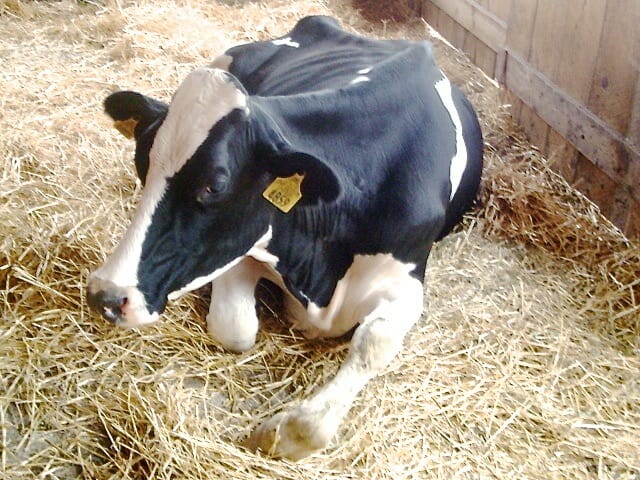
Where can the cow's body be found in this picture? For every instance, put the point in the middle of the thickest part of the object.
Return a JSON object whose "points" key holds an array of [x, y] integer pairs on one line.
{"points": [[391, 156]]}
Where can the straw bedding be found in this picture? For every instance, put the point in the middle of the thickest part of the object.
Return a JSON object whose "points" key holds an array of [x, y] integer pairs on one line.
{"points": [[525, 365]]}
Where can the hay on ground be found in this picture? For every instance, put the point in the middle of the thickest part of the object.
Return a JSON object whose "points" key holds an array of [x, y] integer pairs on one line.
{"points": [[525, 365]]}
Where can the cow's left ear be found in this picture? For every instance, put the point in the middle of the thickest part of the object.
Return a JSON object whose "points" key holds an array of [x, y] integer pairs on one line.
{"points": [[284, 159], [318, 180]]}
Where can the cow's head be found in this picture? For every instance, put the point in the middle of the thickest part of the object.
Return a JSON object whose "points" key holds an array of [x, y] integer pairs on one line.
{"points": [[204, 161]]}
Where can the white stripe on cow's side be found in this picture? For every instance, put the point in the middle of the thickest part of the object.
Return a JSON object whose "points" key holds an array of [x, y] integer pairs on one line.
{"points": [[204, 98], [287, 42], [459, 160]]}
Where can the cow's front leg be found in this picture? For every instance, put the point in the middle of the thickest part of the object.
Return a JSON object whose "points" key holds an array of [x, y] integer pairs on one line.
{"points": [[299, 431], [232, 318]]}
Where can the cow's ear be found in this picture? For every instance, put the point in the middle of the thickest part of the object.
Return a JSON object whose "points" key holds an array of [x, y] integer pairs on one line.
{"points": [[283, 159], [133, 113], [318, 181]]}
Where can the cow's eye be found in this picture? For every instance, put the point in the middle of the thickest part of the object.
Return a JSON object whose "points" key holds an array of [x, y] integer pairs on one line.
{"points": [[212, 191]]}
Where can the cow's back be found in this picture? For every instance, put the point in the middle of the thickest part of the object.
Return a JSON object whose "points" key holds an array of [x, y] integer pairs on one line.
{"points": [[316, 55]]}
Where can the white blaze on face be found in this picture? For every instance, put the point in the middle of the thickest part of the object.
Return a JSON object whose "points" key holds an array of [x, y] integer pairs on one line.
{"points": [[459, 160], [204, 98]]}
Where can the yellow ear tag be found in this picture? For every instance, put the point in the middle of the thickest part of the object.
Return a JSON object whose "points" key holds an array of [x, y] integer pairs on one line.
{"points": [[284, 193], [126, 127]]}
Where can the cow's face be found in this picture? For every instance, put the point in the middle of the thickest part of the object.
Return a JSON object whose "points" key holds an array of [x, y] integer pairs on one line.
{"points": [[200, 209], [204, 161]]}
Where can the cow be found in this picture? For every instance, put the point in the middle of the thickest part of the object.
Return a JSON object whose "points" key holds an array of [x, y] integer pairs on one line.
{"points": [[322, 161]]}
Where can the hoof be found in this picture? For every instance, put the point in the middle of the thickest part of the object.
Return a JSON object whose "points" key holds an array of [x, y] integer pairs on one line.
{"points": [[293, 435]]}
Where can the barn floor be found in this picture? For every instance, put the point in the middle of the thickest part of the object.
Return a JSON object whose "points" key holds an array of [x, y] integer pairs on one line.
{"points": [[525, 365]]}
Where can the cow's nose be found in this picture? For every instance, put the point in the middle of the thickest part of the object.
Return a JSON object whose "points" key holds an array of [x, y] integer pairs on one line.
{"points": [[107, 299]]}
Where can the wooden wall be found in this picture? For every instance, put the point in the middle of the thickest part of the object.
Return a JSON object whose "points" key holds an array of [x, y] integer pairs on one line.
{"points": [[572, 68]]}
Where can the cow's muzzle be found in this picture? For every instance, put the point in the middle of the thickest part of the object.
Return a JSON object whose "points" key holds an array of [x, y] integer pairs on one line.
{"points": [[122, 306], [107, 299]]}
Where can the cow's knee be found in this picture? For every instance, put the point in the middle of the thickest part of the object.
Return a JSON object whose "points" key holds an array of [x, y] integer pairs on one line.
{"points": [[236, 331], [374, 345]]}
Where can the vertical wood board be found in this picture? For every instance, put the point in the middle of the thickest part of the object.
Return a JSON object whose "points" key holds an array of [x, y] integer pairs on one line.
{"points": [[616, 74], [578, 51], [474, 17]]}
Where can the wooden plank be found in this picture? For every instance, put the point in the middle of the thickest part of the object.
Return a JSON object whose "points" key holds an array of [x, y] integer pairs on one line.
{"points": [[446, 26], [485, 59], [547, 42], [632, 228], [633, 134], [607, 148], [547, 36], [501, 8], [516, 105], [562, 155], [469, 46], [430, 13], [595, 184], [621, 205], [616, 74], [487, 27], [534, 126], [578, 50], [459, 34], [521, 27]]}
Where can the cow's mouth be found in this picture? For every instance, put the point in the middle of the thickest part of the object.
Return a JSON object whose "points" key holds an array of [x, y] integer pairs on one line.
{"points": [[121, 306]]}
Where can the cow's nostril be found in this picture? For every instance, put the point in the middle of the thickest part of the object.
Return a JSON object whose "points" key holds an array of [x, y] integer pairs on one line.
{"points": [[112, 309], [107, 299]]}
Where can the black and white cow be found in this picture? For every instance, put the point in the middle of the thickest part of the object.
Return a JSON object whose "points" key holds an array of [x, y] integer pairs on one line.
{"points": [[322, 161]]}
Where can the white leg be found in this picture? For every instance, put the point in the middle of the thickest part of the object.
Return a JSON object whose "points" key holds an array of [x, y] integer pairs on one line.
{"points": [[232, 318], [310, 426], [221, 61]]}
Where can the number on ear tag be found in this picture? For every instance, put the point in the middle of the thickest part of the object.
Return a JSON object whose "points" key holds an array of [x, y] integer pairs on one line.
{"points": [[284, 193], [126, 127]]}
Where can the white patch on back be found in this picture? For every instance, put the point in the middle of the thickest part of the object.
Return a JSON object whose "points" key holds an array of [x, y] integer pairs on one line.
{"points": [[359, 79], [203, 99], [364, 71], [459, 160], [286, 42]]}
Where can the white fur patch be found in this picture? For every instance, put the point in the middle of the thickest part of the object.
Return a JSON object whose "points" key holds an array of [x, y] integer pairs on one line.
{"points": [[359, 79], [370, 282], [459, 160], [204, 98], [223, 62], [121, 267], [286, 42]]}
